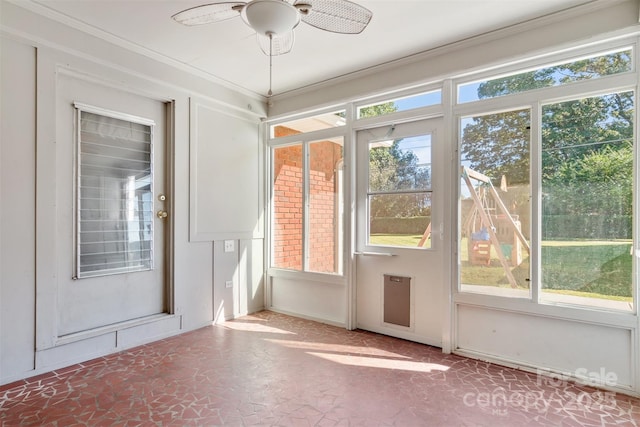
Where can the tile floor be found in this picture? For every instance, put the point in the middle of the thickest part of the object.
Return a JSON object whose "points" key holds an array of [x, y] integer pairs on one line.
{"points": [[276, 370]]}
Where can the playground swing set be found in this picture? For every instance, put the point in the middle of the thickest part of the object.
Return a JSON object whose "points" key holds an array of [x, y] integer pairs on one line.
{"points": [[485, 228]]}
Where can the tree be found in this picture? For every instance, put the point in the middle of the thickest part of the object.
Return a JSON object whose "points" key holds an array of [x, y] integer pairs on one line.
{"points": [[574, 129], [497, 144], [587, 167], [587, 154], [377, 110], [599, 184], [392, 168]]}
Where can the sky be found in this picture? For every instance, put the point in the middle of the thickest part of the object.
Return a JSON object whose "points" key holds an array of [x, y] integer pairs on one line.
{"points": [[420, 146], [416, 101]]}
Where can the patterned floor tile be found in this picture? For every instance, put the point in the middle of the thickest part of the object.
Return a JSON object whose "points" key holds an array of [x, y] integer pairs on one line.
{"points": [[274, 370]]}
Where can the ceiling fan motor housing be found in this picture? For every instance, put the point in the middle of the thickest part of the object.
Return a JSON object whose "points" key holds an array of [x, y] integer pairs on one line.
{"points": [[271, 16]]}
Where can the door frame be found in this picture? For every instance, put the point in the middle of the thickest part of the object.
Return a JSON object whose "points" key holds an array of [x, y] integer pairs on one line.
{"points": [[48, 72], [447, 155]]}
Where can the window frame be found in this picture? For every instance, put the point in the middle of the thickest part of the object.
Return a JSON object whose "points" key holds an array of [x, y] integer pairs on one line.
{"points": [[635, 189], [534, 100], [305, 140], [369, 193], [515, 107]]}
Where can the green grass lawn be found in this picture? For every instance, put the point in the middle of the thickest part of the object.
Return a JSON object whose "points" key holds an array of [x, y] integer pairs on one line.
{"points": [[405, 240], [594, 269]]}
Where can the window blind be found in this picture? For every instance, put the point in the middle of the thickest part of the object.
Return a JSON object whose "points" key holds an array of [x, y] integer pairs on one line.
{"points": [[114, 196]]}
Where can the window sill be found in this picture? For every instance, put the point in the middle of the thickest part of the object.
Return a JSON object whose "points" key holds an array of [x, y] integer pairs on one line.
{"points": [[553, 309], [586, 303]]}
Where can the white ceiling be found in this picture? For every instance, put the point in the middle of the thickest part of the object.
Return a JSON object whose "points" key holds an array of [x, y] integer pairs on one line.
{"points": [[228, 50]]}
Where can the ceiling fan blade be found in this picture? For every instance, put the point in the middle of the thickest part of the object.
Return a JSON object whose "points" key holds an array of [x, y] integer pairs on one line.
{"points": [[209, 13], [337, 16], [282, 43]]}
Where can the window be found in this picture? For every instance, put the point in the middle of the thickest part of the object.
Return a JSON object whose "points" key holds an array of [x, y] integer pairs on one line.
{"points": [[308, 124], [587, 200], [308, 206], [114, 195], [592, 67], [400, 104], [399, 192], [583, 212], [495, 203]]}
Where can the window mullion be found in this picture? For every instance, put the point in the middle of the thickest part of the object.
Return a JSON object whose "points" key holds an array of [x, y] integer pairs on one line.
{"points": [[635, 245], [536, 202], [305, 205]]}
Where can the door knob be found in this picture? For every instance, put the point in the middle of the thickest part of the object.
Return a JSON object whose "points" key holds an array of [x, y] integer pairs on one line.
{"points": [[162, 214]]}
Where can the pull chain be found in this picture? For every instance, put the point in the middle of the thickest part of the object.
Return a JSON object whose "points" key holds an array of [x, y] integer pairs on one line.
{"points": [[270, 63]]}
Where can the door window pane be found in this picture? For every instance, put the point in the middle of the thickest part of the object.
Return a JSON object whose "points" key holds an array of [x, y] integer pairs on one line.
{"points": [[587, 201], [495, 203], [399, 192], [288, 180], [413, 230], [114, 197], [325, 206]]}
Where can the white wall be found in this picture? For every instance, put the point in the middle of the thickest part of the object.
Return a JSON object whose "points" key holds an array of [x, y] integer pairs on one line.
{"points": [[226, 170], [319, 299], [25, 266], [17, 208], [238, 278], [557, 345]]}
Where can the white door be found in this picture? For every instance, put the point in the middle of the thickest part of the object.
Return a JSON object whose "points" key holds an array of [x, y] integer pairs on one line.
{"points": [[400, 290], [110, 181]]}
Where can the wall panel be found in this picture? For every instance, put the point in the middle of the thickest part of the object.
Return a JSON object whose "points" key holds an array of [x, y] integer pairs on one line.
{"points": [[326, 302], [559, 345], [226, 174]]}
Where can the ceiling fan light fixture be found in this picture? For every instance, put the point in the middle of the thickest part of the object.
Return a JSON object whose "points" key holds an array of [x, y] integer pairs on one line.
{"points": [[274, 20], [271, 16]]}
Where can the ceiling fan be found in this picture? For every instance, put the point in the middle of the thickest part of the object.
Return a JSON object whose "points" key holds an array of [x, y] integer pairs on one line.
{"points": [[274, 20]]}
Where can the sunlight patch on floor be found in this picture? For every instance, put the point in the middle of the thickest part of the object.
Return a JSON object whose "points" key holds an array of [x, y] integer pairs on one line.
{"points": [[373, 362], [368, 351], [254, 327]]}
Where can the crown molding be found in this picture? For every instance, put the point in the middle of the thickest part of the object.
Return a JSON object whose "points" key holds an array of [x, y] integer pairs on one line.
{"points": [[76, 24]]}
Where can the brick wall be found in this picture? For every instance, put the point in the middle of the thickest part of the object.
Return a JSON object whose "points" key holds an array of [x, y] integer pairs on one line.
{"points": [[323, 162], [287, 212]]}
